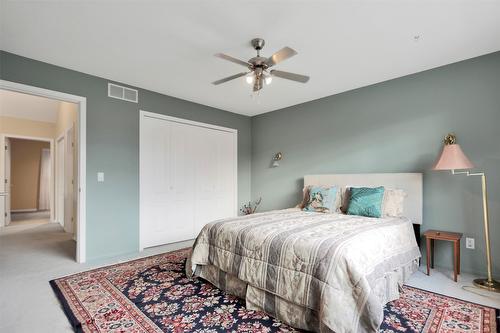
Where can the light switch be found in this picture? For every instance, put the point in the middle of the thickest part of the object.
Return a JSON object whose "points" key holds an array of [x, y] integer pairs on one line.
{"points": [[100, 177]]}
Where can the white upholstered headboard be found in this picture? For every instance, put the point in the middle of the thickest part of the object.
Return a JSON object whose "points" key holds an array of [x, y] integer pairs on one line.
{"points": [[411, 183]]}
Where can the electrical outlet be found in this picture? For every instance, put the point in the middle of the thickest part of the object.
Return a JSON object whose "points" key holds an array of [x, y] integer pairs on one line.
{"points": [[469, 243], [100, 177]]}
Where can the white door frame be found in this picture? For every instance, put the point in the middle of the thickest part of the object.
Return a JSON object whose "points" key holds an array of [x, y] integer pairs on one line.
{"points": [[82, 153], [145, 114], [34, 138]]}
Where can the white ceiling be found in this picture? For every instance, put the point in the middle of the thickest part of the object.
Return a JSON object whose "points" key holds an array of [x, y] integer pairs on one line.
{"points": [[17, 105], [168, 46]]}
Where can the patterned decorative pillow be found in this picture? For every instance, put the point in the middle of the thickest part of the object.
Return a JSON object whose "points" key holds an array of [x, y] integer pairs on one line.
{"points": [[366, 201], [393, 205], [321, 199]]}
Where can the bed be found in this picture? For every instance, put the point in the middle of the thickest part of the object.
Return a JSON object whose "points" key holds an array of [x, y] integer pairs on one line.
{"points": [[315, 271]]}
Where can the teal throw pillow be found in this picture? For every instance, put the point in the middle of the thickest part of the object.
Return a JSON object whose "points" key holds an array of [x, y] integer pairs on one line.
{"points": [[366, 201], [321, 199]]}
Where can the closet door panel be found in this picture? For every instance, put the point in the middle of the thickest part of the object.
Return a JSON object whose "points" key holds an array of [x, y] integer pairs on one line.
{"points": [[205, 174], [182, 184], [155, 192], [215, 197], [225, 186]]}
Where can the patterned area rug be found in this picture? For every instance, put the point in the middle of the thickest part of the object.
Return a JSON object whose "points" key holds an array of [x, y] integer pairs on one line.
{"points": [[154, 295]]}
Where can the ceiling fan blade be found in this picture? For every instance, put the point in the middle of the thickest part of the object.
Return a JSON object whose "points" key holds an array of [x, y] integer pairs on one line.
{"points": [[281, 55], [290, 76], [229, 58], [229, 78]]}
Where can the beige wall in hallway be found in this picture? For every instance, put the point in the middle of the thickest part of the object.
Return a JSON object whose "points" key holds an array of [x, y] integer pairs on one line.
{"points": [[25, 127], [66, 117], [25, 172]]}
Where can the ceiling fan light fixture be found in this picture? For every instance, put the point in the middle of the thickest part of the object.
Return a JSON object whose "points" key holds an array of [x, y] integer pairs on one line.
{"points": [[260, 73], [250, 78]]}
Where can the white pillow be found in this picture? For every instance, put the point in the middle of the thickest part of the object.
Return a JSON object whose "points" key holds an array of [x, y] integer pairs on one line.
{"points": [[393, 204]]}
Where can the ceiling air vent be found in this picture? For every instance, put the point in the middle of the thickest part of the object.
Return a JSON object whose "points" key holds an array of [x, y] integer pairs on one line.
{"points": [[123, 93]]}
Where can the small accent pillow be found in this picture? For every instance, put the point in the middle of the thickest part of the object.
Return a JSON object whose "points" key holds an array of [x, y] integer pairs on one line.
{"points": [[393, 205], [321, 199], [305, 197], [366, 201]]}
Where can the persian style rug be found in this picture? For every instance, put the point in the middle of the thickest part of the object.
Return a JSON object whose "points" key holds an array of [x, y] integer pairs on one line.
{"points": [[153, 294]]}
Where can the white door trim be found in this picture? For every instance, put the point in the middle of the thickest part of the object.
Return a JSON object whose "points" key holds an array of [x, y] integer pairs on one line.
{"points": [[82, 153], [35, 138], [145, 114], [185, 121]]}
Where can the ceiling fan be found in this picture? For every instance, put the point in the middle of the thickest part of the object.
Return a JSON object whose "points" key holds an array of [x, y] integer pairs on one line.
{"points": [[260, 67]]}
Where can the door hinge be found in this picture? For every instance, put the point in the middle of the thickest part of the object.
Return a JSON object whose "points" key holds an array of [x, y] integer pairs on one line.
{"points": [[5, 214], [6, 148], [6, 181]]}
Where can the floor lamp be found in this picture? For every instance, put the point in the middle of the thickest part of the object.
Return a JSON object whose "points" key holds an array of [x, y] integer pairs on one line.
{"points": [[453, 158]]}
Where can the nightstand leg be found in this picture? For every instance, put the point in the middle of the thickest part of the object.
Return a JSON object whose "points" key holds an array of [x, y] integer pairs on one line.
{"points": [[432, 253], [428, 246], [455, 258], [458, 249]]}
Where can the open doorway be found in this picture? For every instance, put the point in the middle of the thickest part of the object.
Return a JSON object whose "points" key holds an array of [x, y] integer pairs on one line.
{"points": [[43, 165], [28, 175]]}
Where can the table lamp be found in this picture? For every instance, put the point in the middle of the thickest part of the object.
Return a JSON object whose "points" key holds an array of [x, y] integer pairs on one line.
{"points": [[453, 158]]}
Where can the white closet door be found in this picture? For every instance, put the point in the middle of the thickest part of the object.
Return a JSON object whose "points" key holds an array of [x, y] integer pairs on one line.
{"points": [[215, 174], [182, 158], [187, 178], [155, 182]]}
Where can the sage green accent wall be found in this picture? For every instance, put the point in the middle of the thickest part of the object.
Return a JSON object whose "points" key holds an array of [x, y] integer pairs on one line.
{"points": [[396, 126], [113, 147]]}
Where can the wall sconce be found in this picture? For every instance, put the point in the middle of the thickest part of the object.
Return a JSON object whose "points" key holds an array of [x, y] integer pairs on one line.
{"points": [[276, 159]]}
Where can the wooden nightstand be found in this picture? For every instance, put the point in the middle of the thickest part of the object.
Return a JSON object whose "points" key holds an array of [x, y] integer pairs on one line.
{"points": [[431, 235]]}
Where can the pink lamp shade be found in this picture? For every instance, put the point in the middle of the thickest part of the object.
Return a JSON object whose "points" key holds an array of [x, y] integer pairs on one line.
{"points": [[452, 158]]}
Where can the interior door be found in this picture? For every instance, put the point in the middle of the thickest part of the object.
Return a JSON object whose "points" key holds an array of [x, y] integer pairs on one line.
{"points": [[75, 181], [60, 154], [69, 181], [8, 184]]}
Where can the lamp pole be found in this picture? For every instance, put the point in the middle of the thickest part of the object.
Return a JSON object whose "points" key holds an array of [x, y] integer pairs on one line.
{"points": [[487, 283]]}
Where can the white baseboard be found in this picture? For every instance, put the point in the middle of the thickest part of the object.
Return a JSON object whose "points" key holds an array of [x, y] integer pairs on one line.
{"points": [[27, 210]]}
